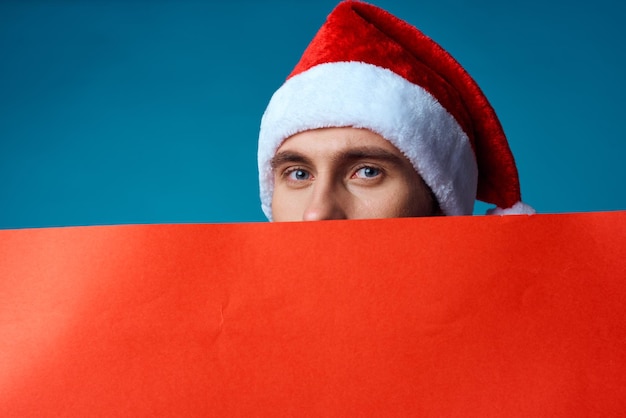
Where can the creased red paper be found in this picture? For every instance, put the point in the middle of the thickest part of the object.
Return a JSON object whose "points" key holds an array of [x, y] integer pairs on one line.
{"points": [[447, 317]]}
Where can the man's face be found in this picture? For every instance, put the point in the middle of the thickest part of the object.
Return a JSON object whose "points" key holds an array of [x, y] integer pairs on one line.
{"points": [[345, 173]]}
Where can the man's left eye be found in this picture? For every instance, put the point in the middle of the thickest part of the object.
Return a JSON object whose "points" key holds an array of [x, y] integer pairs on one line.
{"points": [[367, 172]]}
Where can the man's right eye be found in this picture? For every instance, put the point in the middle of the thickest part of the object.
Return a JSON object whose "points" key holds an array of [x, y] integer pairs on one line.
{"points": [[298, 174]]}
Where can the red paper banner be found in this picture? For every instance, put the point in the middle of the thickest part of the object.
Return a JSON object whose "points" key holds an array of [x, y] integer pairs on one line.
{"points": [[467, 316]]}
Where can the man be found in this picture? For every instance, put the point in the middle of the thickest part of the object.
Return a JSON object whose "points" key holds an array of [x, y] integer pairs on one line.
{"points": [[377, 120]]}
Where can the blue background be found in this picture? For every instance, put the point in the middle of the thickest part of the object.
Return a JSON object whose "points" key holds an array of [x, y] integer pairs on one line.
{"points": [[148, 111]]}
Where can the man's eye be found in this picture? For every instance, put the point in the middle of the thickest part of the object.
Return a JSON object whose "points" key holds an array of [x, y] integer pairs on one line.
{"points": [[367, 172], [298, 175]]}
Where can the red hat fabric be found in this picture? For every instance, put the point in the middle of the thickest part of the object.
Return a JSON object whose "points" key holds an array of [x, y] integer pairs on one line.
{"points": [[366, 68]]}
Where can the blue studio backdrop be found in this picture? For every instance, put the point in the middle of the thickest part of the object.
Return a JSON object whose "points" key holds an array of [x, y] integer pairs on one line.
{"points": [[129, 111]]}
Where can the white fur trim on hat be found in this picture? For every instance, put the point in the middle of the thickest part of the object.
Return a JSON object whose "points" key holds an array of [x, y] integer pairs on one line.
{"points": [[361, 95]]}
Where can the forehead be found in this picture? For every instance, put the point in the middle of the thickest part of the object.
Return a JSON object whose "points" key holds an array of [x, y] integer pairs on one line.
{"points": [[335, 140]]}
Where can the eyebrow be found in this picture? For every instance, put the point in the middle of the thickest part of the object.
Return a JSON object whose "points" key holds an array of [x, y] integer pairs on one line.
{"points": [[285, 157], [353, 154], [373, 153]]}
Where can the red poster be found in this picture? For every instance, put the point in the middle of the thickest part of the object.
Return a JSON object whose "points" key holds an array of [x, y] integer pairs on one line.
{"points": [[466, 317]]}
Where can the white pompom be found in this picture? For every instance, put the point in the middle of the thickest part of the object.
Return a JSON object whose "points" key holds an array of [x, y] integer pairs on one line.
{"points": [[520, 208]]}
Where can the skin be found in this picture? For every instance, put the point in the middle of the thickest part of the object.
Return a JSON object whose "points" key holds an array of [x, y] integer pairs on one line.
{"points": [[346, 173]]}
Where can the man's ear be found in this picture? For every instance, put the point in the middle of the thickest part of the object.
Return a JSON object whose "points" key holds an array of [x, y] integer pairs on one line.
{"points": [[436, 209]]}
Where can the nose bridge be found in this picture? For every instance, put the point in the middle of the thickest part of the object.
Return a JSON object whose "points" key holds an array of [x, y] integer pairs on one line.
{"points": [[325, 201]]}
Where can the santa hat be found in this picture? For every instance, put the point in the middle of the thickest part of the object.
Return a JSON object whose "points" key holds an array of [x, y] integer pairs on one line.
{"points": [[366, 68]]}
